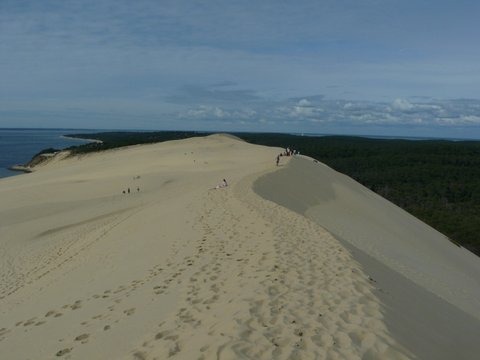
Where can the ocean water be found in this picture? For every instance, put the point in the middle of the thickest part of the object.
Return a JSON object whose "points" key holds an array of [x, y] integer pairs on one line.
{"points": [[18, 146]]}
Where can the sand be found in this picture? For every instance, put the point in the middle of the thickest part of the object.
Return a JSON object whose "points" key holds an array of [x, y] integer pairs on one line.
{"points": [[430, 288], [174, 269]]}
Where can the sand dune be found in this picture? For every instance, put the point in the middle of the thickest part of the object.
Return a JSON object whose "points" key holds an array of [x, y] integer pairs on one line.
{"points": [[430, 286], [176, 270]]}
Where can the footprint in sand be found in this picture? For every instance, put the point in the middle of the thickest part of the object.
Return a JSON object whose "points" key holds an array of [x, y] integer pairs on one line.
{"points": [[29, 322], [76, 305], [173, 345], [63, 352], [129, 312], [140, 355], [82, 338], [3, 332]]}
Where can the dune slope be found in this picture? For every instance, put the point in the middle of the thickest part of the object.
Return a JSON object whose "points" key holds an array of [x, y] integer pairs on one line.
{"points": [[429, 286]]}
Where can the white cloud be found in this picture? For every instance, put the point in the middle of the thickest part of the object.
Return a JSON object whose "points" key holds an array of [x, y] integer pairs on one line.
{"points": [[212, 112], [304, 102], [219, 113], [471, 119], [203, 111], [304, 109], [464, 120], [301, 111], [402, 105]]}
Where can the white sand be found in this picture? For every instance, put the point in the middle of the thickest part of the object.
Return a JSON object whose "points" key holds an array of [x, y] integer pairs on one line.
{"points": [[175, 270]]}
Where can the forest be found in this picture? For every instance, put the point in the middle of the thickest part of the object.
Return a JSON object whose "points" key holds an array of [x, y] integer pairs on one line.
{"points": [[438, 181]]}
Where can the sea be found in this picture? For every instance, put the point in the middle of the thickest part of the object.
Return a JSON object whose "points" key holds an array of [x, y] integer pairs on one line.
{"points": [[18, 146]]}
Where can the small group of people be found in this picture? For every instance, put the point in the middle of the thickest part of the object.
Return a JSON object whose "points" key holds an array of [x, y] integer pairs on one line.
{"points": [[128, 191], [290, 152], [136, 177], [287, 152]]}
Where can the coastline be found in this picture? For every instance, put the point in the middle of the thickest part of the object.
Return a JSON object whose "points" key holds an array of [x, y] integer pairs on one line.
{"points": [[36, 161], [20, 146], [20, 168]]}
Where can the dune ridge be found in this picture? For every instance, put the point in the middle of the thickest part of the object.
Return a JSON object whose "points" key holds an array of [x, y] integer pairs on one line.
{"points": [[174, 269]]}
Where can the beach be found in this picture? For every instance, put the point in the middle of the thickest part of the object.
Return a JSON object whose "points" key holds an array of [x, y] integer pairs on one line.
{"points": [[133, 254]]}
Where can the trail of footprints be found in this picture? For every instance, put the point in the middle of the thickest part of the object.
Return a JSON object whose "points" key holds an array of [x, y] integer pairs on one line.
{"points": [[308, 299], [223, 253], [159, 278], [294, 307]]}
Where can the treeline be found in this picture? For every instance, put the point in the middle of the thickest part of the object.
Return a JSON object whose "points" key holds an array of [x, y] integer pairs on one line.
{"points": [[436, 181]]}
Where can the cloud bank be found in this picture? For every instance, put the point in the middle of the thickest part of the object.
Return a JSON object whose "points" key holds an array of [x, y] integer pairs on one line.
{"points": [[311, 65]]}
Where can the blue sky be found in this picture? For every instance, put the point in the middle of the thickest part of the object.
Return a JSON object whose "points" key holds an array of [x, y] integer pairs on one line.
{"points": [[409, 68]]}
